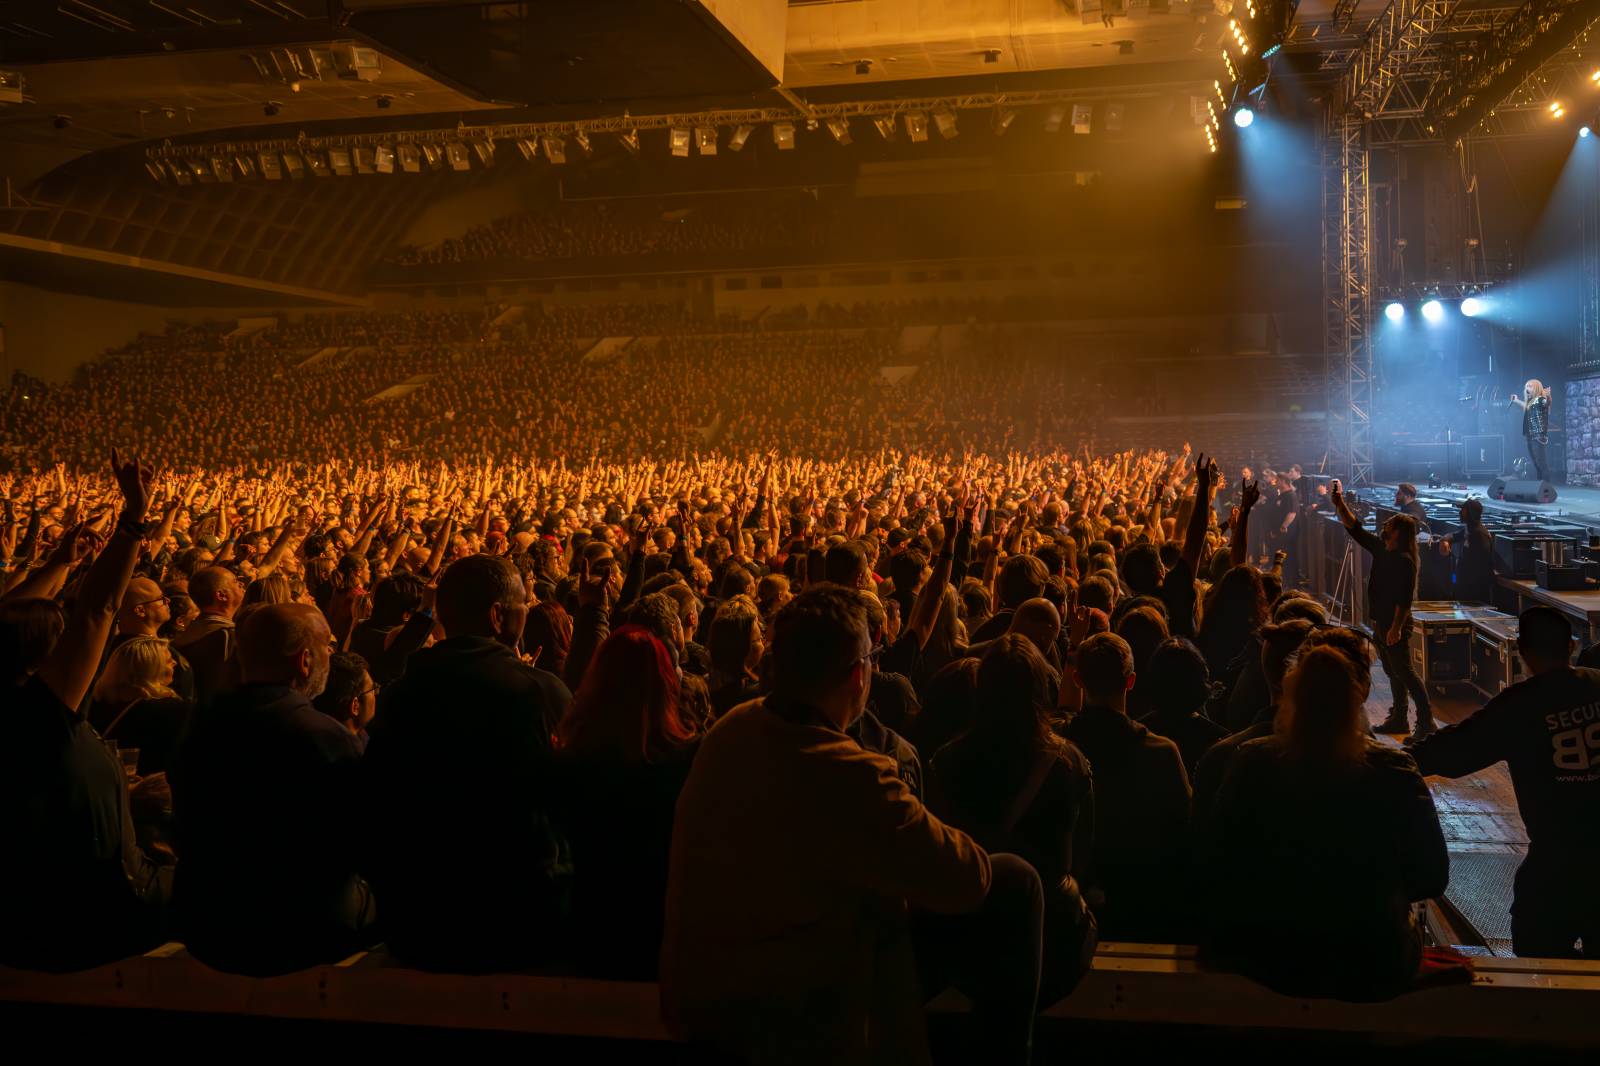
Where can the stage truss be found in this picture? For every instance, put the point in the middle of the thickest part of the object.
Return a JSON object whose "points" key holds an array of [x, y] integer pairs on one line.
{"points": [[1422, 73]]}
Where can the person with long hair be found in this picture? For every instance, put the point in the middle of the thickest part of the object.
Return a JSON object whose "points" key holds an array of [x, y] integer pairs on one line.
{"points": [[623, 753], [1535, 404], [1235, 608], [1013, 785], [135, 704], [1391, 588], [1321, 837]]}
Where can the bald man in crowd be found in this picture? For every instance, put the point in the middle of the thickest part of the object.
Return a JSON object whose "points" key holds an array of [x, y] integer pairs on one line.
{"points": [[261, 791], [209, 643], [145, 609]]}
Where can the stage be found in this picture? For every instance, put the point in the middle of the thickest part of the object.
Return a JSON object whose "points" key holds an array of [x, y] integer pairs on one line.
{"points": [[1578, 504]]}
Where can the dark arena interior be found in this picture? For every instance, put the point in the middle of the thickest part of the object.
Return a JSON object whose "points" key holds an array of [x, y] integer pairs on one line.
{"points": [[616, 529]]}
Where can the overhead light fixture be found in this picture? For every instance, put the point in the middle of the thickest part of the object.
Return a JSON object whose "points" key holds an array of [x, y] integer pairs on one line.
{"points": [[1211, 138], [317, 165], [555, 149], [916, 126], [705, 139], [294, 165], [1584, 131], [1082, 118], [1395, 312], [783, 135], [1113, 117], [1003, 118], [885, 126], [435, 157], [383, 159], [581, 139], [630, 141], [246, 165], [221, 168], [364, 161], [201, 171], [1244, 118], [340, 163], [155, 171], [271, 166], [456, 154], [1433, 310], [1472, 307], [1054, 117], [740, 135], [180, 172], [945, 119], [678, 141], [840, 129], [528, 148], [1556, 110], [1595, 77], [484, 150], [410, 158]]}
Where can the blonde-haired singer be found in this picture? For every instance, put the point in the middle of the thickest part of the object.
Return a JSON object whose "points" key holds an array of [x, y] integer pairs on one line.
{"points": [[1535, 404]]}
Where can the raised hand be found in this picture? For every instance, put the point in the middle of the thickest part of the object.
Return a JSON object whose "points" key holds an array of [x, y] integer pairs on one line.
{"points": [[135, 483]]}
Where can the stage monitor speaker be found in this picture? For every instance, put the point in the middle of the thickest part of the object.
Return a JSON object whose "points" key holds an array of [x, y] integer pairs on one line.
{"points": [[1522, 491]]}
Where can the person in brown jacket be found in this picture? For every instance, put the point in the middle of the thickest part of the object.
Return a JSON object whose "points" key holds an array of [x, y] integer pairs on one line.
{"points": [[797, 859]]}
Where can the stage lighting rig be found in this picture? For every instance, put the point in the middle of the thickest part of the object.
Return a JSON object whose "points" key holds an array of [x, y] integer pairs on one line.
{"points": [[739, 136]]}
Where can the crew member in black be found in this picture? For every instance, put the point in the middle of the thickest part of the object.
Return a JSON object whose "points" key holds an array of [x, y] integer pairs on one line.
{"points": [[1475, 567], [1405, 501], [1535, 404], [1547, 729], [1390, 589]]}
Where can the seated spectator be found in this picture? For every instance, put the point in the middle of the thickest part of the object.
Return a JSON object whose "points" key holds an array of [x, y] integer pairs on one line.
{"points": [[548, 636], [135, 704], [267, 879], [1141, 833], [208, 642], [351, 696], [472, 722], [1177, 685], [1280, 643], [79, 891], [794, 858], [1544, 728], [1320, 841], [623, 756], [735, 648], [400, 623], [1015, 786]]}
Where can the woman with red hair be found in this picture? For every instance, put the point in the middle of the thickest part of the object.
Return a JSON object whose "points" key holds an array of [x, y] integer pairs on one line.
{"points": [[623, 756]]}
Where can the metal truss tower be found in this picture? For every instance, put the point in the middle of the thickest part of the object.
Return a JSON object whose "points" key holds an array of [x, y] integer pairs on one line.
{"points": [[1347, 295]]}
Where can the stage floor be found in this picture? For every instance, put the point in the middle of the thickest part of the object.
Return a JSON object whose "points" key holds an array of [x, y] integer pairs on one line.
{"points": [[1579, 503]]}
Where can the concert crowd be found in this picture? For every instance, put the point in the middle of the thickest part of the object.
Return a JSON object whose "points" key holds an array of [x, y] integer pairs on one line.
{"points": [[726, 663]]}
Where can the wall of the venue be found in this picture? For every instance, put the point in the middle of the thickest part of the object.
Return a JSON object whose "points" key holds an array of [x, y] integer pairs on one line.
{"points": [[476, 203], [49, 334]]}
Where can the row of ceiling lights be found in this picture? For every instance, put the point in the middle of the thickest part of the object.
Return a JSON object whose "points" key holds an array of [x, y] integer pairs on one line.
{"points": [[403, 157]]}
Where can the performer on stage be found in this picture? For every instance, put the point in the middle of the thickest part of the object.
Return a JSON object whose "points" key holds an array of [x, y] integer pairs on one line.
{"points": [[1535, 404]]}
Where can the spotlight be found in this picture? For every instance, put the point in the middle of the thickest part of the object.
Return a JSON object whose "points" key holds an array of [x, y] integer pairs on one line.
{"points": [[1433, 310], [1472, 307], [916, 126], [945, 119], [581, 139], [410, 158], [1395, 312], [436, 158], [1243, 118], [555, 150], [294, 165], [340, 163], [528, 148], [222, 168], [630, 141], [1584, 131], [739, 136], [1003, 118], [456, 153], [705, 139], [1053, 119], [783, 135], [180, 172], [884, 124], [317, 164], [246, 165], [365, 163], [271, 108], [840, 128], [678, 140], [154, 170], [1556, 110], [201, 171], [485, 150], [1595, 77], [1082, 118]]}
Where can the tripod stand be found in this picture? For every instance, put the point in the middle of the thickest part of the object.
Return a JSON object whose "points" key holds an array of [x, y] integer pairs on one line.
{"points": [[1344, 587]]}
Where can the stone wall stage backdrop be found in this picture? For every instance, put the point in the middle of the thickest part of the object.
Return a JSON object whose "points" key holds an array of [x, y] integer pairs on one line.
{"points": [[1583, 431]]}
